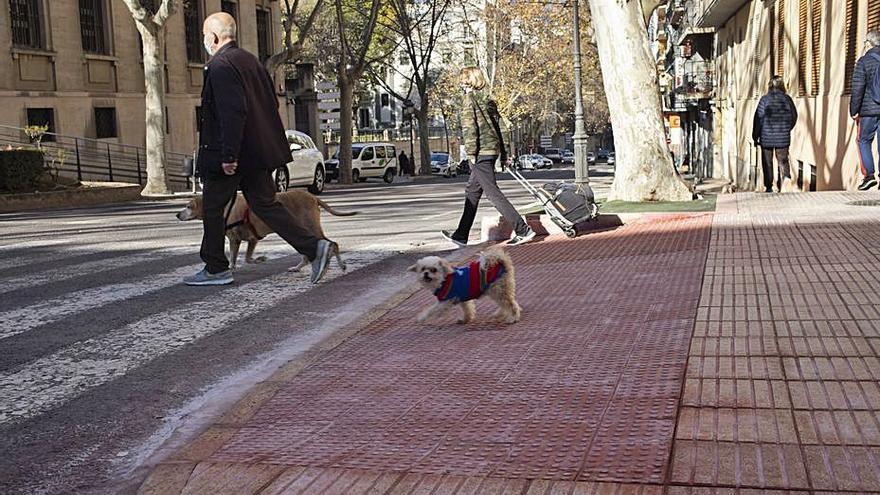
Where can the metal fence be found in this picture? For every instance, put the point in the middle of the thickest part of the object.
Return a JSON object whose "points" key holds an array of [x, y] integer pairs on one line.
{"points": [[97, 160]]}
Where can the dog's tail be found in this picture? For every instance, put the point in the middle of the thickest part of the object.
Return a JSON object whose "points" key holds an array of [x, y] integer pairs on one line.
{"points": [[331, 211]]}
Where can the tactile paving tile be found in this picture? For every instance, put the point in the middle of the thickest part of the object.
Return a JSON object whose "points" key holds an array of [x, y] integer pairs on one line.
{"points": [[584, 388]]}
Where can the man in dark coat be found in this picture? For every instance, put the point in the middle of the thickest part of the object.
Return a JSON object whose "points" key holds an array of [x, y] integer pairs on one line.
{"points": [[775, 117], [241, 141], [864, 109]]}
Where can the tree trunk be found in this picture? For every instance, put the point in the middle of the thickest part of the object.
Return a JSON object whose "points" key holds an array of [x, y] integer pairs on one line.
{"points": [[154, 83], [424, 142], [644, 170], [346, 97]]}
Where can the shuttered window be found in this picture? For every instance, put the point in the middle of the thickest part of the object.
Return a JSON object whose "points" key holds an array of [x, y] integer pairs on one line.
{"points": [[873, 15], [803, 18], [851, 33], [780, 38], [816, 48]]}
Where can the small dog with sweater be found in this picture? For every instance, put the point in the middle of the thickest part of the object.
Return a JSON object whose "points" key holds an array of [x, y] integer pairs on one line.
{"points": [[492, 276]]}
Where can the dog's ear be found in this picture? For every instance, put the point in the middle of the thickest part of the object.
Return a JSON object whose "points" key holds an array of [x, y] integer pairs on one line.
{"points": [[413, 268]]}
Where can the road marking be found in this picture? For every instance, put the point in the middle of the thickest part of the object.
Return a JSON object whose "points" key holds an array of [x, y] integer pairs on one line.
{"points": [[438, 215], [89, 267], [54, 379], [20, 320]]}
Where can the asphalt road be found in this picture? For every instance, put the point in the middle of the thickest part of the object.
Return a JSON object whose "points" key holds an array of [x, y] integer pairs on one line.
{"points": [[104, 354]]}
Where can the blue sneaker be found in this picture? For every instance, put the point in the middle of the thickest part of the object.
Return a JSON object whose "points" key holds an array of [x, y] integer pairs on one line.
{"points": [[204, 277]]}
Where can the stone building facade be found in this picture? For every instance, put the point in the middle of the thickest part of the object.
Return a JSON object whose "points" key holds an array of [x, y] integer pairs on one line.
{"points": [[813, 45], [76, 65]]}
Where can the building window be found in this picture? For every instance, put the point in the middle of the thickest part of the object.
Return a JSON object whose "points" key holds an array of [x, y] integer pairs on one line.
{"points": [[230, 8], [851, 34], [803, 18], [42, 117], [27, 28], [780, 37], [873, 15], [105, 122], [91, 26], [385, 99], [192, 20], [816, 62], [264, 35], [152, 6]]}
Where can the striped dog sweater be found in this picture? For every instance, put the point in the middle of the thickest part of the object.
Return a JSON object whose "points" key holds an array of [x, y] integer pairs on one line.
{"points": [[468, 282]]}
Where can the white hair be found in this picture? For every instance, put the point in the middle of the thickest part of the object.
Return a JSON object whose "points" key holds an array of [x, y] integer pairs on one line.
{"points": [[873, 37]]}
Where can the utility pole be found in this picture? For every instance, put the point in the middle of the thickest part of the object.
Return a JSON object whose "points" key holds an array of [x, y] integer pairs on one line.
{"points": [[581, 172]]}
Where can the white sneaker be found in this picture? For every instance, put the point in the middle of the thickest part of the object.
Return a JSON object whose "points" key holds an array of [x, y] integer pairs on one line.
{"points": [[522, 239]]}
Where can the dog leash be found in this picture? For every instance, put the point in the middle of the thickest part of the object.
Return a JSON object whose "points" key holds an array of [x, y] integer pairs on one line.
{"points": [[245, 219]]}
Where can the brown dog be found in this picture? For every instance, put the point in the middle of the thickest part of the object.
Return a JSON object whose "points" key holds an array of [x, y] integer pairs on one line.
{"points": [[244, 225]]}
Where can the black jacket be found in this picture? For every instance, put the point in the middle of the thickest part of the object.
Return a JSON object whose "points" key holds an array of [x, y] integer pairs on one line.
{"points": [[860, 102], [775, 117], [240, 120]]}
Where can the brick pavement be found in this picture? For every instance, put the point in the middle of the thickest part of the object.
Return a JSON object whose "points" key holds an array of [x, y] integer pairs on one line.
{"points": [[662, 357]]}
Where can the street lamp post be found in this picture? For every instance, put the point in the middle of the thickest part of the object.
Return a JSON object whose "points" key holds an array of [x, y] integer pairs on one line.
{"points": [[581, 172]]}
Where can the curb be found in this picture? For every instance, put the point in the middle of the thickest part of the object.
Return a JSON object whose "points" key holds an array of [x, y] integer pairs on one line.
{"points": [[169, 475]]}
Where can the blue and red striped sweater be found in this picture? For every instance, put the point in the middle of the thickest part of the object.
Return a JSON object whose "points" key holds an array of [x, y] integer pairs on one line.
{"points": [[468, 282]]}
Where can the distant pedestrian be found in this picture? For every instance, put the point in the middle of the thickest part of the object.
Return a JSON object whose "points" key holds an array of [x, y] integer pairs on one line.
{"points": [[241, 140], [484, 143], [774, 119], [864, 106], [403, 163]]}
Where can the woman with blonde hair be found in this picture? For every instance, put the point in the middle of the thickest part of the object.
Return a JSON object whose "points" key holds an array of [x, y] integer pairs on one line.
{"points": [[484, 143]]}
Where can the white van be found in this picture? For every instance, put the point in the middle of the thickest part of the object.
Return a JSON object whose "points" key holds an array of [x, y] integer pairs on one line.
{"points": [[373, 160]]}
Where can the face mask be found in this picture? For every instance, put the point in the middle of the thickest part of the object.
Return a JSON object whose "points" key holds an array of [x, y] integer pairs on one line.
{"points": [[208, 44]]}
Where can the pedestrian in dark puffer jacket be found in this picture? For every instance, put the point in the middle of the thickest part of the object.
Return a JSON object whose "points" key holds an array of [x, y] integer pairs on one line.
{"points": [[774, 119], [864, 109]]}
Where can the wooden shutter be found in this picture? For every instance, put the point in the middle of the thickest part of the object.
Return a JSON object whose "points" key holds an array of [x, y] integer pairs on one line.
{"points": [[816, 48], [873, 15], [803, 18], [780, 38], [851, 34]]}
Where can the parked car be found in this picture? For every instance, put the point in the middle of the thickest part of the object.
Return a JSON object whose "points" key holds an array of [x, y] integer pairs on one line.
{"points": [[591, 157], [611, 158], [554, 154], [533, 161], [602, 155], [368, 160], [568, 157], [307, 167], [441, 165]]}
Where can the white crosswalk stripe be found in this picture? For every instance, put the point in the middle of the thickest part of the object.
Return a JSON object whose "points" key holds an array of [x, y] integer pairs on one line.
{"points": [[38, 278], [54, 379], [19, 320]]}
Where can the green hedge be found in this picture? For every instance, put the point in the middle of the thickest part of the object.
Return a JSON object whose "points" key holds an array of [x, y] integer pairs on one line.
{"points": [[20, 170]]}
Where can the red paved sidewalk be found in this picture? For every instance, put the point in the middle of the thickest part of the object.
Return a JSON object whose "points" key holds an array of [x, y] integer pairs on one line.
{"points": [[583, 391]]}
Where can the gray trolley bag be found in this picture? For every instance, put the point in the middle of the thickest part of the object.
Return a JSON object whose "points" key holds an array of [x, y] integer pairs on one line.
{"points": [[567, 204]]}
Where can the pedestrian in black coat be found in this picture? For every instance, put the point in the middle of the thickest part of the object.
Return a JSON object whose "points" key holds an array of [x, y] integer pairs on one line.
{"points": [[775, 117], [241, 142], [403, 163]]}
